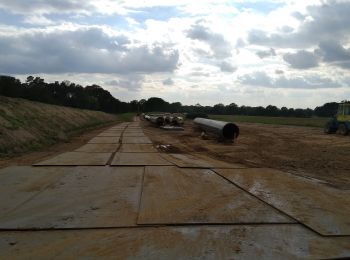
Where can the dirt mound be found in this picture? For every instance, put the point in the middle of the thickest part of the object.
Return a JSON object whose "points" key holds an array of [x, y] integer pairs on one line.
{"points": [[27, 125]]}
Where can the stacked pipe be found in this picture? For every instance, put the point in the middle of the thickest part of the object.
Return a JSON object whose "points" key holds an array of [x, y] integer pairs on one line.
{"points": [[222, 129], [164, 119], [158, 120], [177, 120]]}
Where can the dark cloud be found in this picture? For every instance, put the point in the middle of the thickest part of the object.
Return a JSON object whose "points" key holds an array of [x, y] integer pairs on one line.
{"points": [[45, 6], [81, 51], [130, 82], [266, 53], [260, 37], [200, 74], [220, 47], [227, 67], [286, 29], [261, 79], [302, 59], [257, 78], [279, 72], [299, 16], [334, 53], [330, 52], [320, 23], [112, 82], [168, 82]]}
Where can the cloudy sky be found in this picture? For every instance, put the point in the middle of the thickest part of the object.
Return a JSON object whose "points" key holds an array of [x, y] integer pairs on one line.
{"points": [[293, 53]]}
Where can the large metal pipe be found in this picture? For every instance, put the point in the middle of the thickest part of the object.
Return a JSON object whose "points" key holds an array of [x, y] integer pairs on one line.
{"points": [[223, 129]]}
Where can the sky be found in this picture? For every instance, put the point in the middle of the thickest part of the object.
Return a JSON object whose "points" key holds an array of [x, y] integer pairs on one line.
{"points": [[292, 53]]}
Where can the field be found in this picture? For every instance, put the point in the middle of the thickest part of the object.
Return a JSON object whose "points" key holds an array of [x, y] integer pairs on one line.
{"points": [[293, 121]]}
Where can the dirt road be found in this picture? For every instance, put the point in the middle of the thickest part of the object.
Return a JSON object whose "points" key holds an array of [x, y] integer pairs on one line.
{"points": [[300, 150]]}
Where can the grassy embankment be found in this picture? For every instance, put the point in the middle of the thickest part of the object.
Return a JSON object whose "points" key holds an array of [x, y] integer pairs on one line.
{"points": [[293, 121], [27, 126]]}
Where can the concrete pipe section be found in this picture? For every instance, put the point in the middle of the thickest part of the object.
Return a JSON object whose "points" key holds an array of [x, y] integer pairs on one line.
{"points": [[222, 129]]}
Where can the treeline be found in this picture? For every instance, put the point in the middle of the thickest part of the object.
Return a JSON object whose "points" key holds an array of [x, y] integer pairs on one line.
{"points": [[63, 93], [94, 97], [158, 104]]}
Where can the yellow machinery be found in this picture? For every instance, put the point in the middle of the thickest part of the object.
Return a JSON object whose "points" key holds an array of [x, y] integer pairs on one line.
{"points": [[341, 121]]}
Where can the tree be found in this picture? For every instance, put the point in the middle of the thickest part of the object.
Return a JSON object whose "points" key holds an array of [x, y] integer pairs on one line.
{"points": [[134, 106], [231, 109], [10, 86], [271, 110], [155, 104], [175, 107], [219, 109], [327, 110]]}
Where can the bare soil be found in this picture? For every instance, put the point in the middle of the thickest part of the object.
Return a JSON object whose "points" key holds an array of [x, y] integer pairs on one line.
{"points": [[302, 151]]}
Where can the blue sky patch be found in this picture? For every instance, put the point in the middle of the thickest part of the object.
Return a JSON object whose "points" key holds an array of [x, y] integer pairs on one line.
{"points": [[261, 7], [162, 13]]}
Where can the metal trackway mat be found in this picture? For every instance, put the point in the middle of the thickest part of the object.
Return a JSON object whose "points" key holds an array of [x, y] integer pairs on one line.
{"points": [[110, 134], [85, 197], [18, 184], [115, 129], [104, 140], [136, 140], [134, 134], [121, 125], [182, 196], [137, 148], [126, 159], [199, 242], [323, 209], [98, 148], [190, 161], [76, 159]]}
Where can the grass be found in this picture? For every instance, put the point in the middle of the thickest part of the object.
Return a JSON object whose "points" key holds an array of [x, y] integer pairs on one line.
{"points": [[126, 117], [294, 121], [28, 126]]}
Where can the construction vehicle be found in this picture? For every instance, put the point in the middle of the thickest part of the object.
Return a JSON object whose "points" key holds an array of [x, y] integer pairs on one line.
{"points": [[340, 123]]}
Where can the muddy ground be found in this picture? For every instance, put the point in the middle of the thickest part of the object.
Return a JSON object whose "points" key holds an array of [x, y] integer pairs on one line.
{"points": [[300, 150]]}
